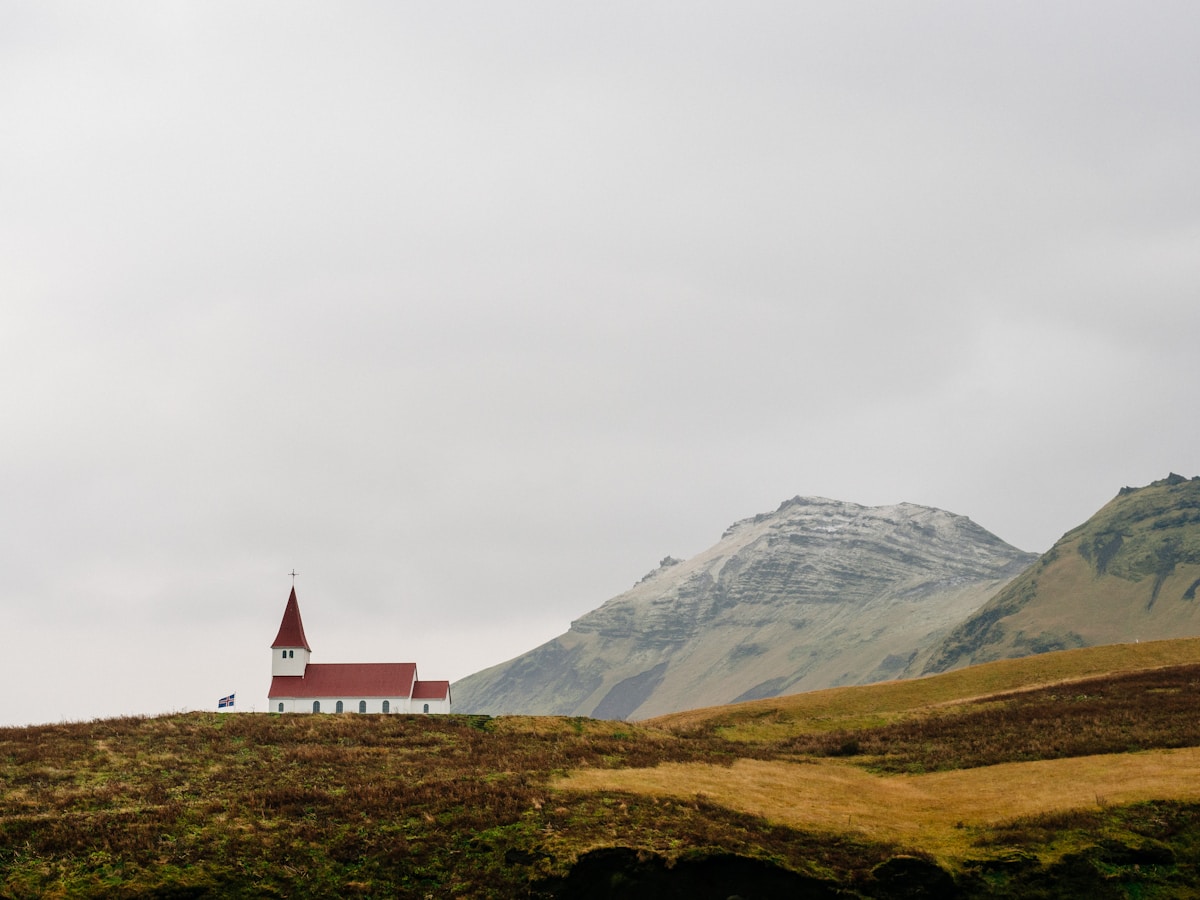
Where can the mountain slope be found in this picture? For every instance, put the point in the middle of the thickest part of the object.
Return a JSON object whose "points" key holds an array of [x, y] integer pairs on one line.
{"points": [[1131, 572], [817, 593], [833, 709]]}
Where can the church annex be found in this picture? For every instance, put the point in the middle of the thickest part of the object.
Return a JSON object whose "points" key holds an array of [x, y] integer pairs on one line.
{"points": [[300, 686]]}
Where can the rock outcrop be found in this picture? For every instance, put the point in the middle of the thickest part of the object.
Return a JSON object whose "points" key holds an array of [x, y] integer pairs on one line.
{"points": [[816, 594]]}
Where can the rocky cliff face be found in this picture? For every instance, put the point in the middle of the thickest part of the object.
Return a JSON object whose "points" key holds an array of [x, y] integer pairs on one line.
{"points": [[1130, 572], [815, 594]]}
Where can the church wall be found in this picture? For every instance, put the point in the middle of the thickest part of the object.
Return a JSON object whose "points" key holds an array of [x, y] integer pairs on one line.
{"points": [[435, 706], [349, 704], [292, 664]]}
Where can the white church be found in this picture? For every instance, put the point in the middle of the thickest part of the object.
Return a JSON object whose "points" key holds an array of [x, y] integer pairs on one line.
{"points": [[299, 686]]}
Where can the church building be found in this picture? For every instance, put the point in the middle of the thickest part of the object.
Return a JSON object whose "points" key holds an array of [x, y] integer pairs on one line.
{"points": [[298, 685]]}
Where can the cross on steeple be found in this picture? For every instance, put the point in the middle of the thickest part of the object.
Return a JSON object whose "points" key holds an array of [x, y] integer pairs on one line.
{"points": [[293, 574]]}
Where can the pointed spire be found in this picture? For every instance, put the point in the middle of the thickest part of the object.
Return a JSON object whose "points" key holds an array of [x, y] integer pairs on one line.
{"points": [[291, 629]]}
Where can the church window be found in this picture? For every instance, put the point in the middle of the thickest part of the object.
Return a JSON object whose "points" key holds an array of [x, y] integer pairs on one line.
{"points": [[339, 706], [362, 706], [316, 706], [281, 707], [283, 654], [426, 707], [291, 654], [387, 707]]}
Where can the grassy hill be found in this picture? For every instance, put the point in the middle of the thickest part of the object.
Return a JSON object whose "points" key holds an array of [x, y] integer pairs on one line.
{"points": [[1130, 572], [778, 718], [1067, 773]]}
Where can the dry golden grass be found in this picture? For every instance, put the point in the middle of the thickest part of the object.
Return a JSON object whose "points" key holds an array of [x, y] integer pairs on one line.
{"points": [[941, 813], [866, 706]]}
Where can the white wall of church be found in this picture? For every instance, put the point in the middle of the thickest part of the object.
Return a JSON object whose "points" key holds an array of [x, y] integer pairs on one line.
{"points": [[355, 704], [430, 706], [288, 661]]}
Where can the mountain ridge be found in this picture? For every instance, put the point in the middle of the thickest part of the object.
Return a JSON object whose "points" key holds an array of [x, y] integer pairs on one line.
{"points": [[816, 593], [1130, 572]]}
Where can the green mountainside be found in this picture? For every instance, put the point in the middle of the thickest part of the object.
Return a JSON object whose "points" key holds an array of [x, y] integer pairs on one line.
{"points": [[1129, 573]]}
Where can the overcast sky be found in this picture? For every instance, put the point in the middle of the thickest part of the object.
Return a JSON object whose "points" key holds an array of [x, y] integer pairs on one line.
{"points": [[472, 312]]}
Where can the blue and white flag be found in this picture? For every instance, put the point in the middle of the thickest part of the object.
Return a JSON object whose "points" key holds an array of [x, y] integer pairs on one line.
{"points": [[225, 702]]}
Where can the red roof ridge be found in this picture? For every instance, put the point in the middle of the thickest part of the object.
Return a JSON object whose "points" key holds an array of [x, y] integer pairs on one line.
{"points": [[291, 629]]}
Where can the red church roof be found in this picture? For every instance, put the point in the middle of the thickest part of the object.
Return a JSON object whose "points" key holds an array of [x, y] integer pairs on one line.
{"points": [[349, 680], [291, 629], [431, 690]]}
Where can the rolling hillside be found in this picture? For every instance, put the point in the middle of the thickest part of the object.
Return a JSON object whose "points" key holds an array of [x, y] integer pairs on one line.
{"points": [[1012, 779]]}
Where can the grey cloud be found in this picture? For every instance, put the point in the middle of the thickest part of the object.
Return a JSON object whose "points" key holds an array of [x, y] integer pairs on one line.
{"points": [[472, 314]]}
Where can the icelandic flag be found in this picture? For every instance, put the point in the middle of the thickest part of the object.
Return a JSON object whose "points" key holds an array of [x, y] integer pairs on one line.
{"points": [[225, 702]]}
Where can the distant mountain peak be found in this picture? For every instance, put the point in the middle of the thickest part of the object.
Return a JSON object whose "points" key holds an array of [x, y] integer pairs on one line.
{"points": [[817, 592], [1170, 481]]}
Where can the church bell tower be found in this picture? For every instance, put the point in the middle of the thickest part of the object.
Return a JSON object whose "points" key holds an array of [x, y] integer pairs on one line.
{"points": [[290, 651]]}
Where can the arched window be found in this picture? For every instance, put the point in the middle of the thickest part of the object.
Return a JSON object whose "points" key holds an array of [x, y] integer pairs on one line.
{"points": [[362, 706], [291, 654], [426, 707], [283, 654], [339, 706], [316, 706], [281, 707], [387, 707]]}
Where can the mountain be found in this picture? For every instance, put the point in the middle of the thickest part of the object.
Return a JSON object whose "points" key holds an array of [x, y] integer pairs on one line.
{"points": [[816, 594], [1129, 573]]}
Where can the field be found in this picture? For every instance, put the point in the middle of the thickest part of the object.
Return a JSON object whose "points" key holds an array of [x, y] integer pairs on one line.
{"points": [[1072, 772]]}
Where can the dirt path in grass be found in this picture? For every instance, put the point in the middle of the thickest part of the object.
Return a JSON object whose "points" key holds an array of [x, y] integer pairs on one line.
{"points": [[938, 812]]}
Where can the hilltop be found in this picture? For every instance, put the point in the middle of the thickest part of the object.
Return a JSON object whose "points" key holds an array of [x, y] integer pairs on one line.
{"points": [[817, 593], [1071, 773]]}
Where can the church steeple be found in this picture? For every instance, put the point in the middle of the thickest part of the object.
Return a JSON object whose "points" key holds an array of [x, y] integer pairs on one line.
{"points": [[291, 629], [290, 650]]}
